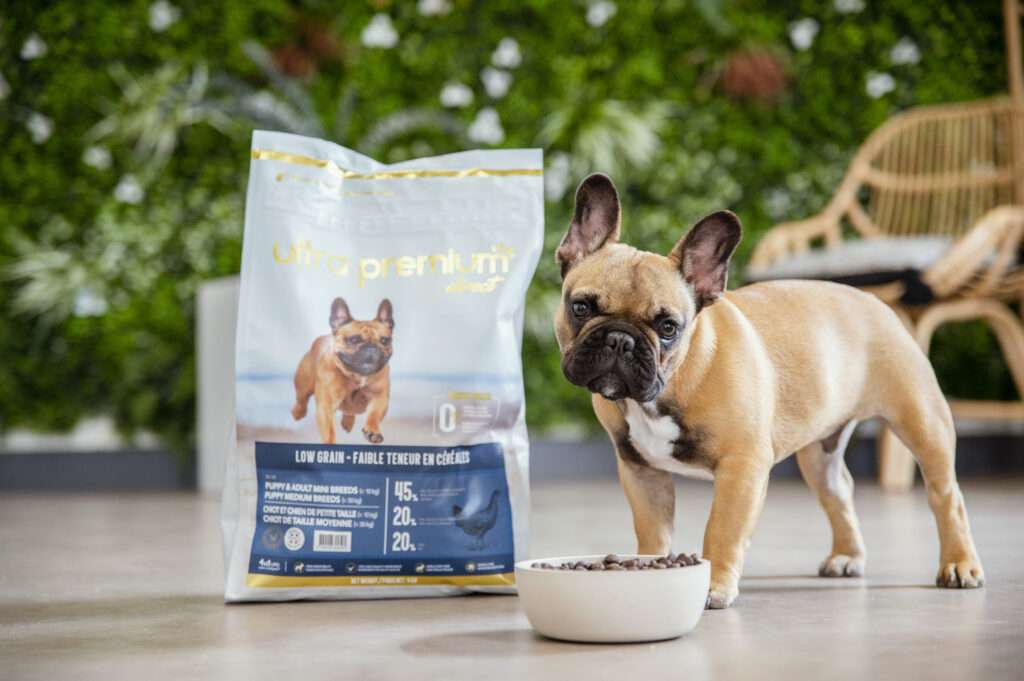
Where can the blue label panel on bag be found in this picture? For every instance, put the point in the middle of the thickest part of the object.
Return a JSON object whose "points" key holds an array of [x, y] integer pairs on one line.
{"points": [[373, 511]]}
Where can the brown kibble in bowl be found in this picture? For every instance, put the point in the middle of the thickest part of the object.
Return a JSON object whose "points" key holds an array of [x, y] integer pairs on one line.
{"points": [[613, 562]]}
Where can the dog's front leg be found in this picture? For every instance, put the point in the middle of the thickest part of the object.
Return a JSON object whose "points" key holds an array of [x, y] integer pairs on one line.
{"points": [[652, 497], [376, 410], [740, 487], [325, 407]]}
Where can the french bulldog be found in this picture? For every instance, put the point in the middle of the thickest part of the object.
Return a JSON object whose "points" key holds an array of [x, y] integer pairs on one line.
{"points": [[689, 379], [347, 370]]}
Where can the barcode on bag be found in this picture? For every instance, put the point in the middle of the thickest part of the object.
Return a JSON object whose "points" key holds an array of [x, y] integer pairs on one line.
{"points": [[339, 542]]}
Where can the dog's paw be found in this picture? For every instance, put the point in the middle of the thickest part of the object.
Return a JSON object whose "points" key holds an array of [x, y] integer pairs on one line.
{"points": [[842, 565], [298, 411], [373, 436], [347, 421], [720, 598], [963, 574]]}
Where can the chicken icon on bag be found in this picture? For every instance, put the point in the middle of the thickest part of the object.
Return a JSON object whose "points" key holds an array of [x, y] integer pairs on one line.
{"points": [[478, 523]]}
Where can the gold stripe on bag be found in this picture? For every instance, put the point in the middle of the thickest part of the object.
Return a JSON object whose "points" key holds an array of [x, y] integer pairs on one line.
{"points": [[298, 159], [258, 581]]}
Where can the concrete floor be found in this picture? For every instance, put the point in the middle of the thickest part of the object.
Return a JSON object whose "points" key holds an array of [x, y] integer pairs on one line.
{"points": [[122, 586]]}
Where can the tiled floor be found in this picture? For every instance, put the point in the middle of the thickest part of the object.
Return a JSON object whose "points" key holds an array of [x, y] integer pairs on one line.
{"points": [[116, 586]]}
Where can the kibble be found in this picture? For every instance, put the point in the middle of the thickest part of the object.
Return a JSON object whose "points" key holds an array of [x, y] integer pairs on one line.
{"points": [[614, 563]]}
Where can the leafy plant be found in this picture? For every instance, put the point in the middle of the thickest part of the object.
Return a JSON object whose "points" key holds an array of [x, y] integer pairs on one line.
{"points": [[151, 112], [125, 151]]}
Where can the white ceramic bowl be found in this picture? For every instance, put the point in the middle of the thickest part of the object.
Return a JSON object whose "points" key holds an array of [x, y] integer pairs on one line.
{"points": [[612, 606]]}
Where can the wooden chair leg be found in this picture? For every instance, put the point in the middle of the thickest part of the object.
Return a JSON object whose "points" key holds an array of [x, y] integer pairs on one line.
{"points": [[1010, 334], [1003, 322], [895, 463]]}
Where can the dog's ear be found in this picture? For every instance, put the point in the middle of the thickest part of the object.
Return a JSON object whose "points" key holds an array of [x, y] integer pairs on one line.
{"points": [[339, 314], [596, 221], [386, 314], [703, 255]]}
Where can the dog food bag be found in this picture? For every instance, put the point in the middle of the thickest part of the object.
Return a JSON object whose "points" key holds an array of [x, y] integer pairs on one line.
{"points": [[380, 446]]}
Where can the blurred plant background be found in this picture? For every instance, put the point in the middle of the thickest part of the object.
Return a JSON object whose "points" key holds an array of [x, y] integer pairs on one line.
{"points": [[126, 129]]}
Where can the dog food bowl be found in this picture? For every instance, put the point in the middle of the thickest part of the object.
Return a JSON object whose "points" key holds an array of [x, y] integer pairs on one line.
{"points": [[612, 606]]}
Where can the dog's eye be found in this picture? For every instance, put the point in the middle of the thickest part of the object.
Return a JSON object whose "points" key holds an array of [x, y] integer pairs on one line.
{"points": [[385, 341], [668, 328], [353, 339], [581, 308]]}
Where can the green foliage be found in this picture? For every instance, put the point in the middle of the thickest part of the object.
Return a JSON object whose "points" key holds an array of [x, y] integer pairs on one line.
{"points": [[100, 261]]}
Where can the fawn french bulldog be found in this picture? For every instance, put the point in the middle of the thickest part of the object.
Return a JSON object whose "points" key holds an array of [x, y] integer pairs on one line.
{"points": [[347, 370], [689, 379]]}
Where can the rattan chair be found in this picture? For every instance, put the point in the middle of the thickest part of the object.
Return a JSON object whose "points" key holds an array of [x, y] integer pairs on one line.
{"points": [[929, 218]]}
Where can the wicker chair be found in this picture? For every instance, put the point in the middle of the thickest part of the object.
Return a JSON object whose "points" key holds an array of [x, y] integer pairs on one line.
{"points": [[936, 197]]}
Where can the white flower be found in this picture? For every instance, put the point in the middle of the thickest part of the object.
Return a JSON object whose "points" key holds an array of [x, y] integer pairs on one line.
{"points": [[39, 126], [878, 84], [848, 6], [5, 88], [380, 32], [456, 95], [905, 52], [162, 14], [33, 47], [507, 55], [802, 33], [557, 176], [777, 202], [598, 13], [128, 190], [798, 182], [496, 82], [430, 8], [96, 157], [261, 102], [486, 127], [88, 303]]}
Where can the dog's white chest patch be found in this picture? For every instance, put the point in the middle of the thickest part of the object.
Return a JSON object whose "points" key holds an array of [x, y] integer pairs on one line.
{"points": [[653, 436]]}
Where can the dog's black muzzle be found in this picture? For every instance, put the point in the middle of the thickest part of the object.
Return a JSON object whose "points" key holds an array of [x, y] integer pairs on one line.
{"points": [[615, 360], [368, 359]]}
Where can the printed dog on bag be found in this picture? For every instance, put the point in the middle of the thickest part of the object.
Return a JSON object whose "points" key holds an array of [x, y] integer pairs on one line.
{"points": [[347, 371]]}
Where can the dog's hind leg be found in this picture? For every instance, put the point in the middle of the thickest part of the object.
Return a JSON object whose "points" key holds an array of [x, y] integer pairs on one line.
{"points": [[301, 403], [305, 384], [825, 471], [347, 421], [922, 420]]}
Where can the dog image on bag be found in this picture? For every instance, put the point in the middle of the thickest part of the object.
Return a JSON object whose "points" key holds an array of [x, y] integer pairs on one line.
{"points": [[347, 371], [689, 379]]}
